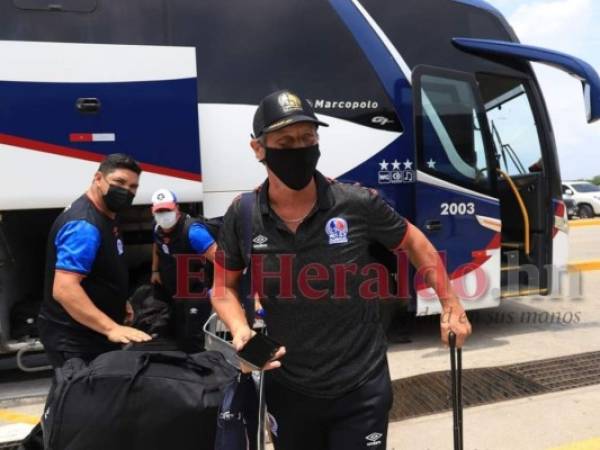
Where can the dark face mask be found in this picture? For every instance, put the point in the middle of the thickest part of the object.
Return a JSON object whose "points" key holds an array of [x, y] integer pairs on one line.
{"points": [[294, 166], [117, 198]]}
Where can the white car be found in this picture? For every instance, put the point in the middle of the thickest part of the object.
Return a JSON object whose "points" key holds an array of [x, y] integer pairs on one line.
{"points": [[586, 196]]}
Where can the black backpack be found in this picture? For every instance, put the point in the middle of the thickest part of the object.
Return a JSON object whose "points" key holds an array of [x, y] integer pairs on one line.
{"points": [[137, 400], [151, 314]]}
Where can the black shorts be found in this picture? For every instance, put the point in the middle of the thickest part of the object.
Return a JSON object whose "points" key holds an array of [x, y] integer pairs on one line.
{"points": [[356, 420]]}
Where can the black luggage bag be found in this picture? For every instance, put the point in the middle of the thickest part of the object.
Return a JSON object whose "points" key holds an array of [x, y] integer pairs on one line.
{"points": [[132, 400]]}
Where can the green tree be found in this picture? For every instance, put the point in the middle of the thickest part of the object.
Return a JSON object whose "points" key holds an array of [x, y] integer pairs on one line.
{"points": [[596, 180]]}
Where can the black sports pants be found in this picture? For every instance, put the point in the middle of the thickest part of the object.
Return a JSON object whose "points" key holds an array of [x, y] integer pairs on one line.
{"points": [[356, 420]]}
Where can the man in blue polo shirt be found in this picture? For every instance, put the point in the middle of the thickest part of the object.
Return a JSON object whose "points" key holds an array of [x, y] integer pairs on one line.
{"points": [[181, 268], [86, 284]]}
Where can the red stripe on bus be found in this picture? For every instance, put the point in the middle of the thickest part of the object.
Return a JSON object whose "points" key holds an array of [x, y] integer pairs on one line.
{"points": [[81, 137], [46, 147]]}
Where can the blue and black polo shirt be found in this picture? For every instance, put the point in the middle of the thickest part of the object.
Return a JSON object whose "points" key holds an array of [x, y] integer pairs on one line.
{"points": [[331, 329], [84, 240]]}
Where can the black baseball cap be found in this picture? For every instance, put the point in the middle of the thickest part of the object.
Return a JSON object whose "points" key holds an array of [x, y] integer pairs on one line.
{"points": [[280, 109]]}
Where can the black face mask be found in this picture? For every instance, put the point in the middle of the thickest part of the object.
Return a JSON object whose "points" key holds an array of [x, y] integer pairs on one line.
{"points": [[117, 198], [294, 166]]}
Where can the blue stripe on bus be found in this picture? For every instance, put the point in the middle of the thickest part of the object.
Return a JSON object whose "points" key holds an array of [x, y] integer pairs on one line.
{"points": [[156, 122]]}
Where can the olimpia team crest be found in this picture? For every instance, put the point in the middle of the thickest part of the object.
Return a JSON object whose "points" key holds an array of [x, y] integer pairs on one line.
{"points": [[337, 230]]}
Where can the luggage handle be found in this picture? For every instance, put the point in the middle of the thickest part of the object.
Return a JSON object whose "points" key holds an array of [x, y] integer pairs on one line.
{"points": [[456, 389]]}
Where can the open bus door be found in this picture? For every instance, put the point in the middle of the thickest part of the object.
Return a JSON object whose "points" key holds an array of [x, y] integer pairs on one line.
{"points": [[534, 216], [456, 183]]}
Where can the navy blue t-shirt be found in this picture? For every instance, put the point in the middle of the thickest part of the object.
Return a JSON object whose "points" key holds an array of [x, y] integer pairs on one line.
{"points": [[85, 241]]}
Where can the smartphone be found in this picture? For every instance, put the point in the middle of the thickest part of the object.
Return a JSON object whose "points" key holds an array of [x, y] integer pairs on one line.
{"points": [[259, 350]]}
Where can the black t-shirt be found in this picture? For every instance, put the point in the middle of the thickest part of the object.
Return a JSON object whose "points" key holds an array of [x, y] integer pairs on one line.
{"points": [[84, 240], [190, 236], [329, 323]]}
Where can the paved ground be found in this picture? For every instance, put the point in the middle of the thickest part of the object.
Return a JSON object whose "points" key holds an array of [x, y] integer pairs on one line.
{"points": [[566, 420], [519, 330]]}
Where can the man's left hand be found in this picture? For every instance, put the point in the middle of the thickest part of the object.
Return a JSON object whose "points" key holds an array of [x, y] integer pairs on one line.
{"points": [[454, 318], [129, 314]]}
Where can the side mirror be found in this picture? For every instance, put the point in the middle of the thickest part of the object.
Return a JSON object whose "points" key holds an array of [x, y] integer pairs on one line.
{"points": [[569, 191]]}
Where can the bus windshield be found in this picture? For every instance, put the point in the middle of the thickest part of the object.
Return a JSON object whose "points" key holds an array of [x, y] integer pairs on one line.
{"points": [[512, 124]]}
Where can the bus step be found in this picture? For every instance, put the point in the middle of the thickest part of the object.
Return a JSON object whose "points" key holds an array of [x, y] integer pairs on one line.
{"points": [[513, 245], [523, 292]]}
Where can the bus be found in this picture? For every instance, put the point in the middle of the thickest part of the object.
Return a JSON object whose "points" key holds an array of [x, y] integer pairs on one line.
{"points": [[432, 102]]}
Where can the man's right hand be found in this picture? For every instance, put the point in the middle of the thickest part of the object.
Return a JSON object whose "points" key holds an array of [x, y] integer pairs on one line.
{"points": [[242, 336], [155, 278], [121, 334]]}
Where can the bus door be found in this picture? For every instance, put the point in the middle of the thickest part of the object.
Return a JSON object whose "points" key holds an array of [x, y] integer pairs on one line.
{"points": [[528, 159], [456, 204], [524, 175]]}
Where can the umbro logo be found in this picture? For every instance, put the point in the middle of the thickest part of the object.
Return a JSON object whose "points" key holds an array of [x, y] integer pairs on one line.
{"points": [[374, 439], [260, 241]]}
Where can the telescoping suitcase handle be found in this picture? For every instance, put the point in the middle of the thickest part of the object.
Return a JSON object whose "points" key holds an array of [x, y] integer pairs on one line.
{"points": [[456, 389]]}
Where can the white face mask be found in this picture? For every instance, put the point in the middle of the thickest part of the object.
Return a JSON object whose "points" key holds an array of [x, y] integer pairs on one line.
{"points": [[166, 220]]}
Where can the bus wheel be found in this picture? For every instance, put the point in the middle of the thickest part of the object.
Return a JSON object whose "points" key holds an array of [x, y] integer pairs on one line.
{"points": [[585, 212]]}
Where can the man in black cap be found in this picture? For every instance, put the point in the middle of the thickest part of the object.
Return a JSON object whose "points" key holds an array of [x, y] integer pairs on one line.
{"points": [[331, 388]]}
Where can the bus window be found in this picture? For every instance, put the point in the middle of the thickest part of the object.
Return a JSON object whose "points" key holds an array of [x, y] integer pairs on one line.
{"points": [[512, 124], [450, 140]]}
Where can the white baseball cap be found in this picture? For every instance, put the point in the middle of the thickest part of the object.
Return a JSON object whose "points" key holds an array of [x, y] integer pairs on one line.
{"points": [[163, 199]]}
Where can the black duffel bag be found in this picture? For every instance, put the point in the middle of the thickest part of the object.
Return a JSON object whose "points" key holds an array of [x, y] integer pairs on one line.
{"points": [[133, 400]]}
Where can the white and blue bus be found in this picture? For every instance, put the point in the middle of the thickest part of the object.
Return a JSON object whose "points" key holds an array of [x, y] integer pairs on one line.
{"points": [[434, 102]]}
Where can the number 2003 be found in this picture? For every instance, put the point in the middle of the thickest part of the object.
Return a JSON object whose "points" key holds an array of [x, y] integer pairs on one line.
{"points": [[457, 209]]}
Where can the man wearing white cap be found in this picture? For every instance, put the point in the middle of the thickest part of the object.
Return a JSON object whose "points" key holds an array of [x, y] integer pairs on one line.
{"points": [[182, 244]]}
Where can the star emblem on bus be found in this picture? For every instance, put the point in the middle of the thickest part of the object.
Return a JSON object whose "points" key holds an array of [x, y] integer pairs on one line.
{"points": [[397, 174]]}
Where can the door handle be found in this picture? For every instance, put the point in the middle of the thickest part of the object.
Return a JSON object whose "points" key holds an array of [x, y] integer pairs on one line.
{"points": [[433, 225], [88, 105]]}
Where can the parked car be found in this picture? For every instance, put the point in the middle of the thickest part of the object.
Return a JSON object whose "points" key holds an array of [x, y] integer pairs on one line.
{"points": [[570, 205], [586, 196]]}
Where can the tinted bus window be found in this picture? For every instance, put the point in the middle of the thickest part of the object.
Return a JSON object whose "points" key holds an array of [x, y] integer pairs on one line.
{"points": [[422, 31], [108, 22], [300, 45]]}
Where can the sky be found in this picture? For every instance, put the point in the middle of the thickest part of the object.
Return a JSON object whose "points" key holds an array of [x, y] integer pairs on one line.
{"points": [[570, 26]]}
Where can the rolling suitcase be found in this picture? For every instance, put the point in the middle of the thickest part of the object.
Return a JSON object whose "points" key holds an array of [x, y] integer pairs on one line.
{"points": [[456, 390]]}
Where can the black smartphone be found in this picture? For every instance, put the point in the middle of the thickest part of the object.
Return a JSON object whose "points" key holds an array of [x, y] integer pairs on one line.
{"points": [[259, 350]]}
